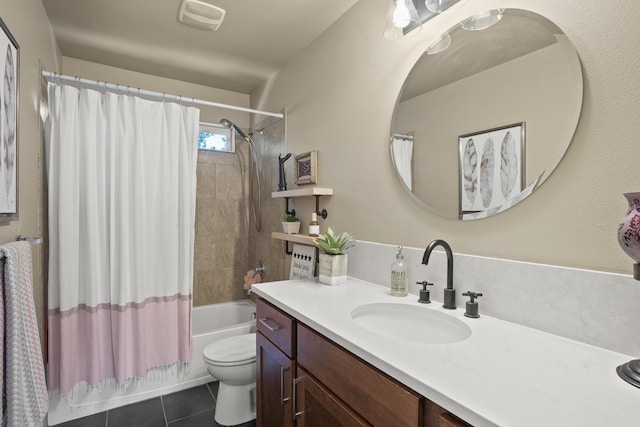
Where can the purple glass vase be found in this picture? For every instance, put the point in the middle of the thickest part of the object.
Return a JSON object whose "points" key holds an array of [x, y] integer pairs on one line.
{"points": [[629, 239], [629, 231]]}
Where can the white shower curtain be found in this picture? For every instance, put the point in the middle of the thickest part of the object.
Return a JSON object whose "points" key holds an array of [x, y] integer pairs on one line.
{"points": [[402, 150], [122, 182]]}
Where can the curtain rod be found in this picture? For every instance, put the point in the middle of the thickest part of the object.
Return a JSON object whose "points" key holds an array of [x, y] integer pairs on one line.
{"points": [[54, 76]]}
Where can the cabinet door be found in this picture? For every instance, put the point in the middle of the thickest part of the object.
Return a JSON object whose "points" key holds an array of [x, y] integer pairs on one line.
{"points": [[448, 420], [379, 399], [437, 416], [274, 385], [318, 407]]}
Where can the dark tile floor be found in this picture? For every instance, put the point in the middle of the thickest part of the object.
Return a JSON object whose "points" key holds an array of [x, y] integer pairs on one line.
{"points": [[187, 408]]}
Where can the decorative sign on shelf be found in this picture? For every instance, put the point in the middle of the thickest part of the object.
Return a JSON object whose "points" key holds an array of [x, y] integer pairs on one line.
{"points": [[303, 262]]}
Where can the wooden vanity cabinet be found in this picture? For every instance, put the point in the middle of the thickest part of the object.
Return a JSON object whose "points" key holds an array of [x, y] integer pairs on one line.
{"points": [[275, 346], [376, 397], [306, 380]]}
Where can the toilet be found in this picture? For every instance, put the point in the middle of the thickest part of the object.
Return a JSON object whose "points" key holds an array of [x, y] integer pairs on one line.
{"points": [[232, 361]]}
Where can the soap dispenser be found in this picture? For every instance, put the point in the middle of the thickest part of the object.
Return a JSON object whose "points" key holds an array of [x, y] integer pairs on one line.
{"points": [[399, 276]]}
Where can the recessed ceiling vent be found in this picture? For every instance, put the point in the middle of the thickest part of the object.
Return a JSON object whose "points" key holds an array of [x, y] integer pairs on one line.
{"points": [[200, 14]]}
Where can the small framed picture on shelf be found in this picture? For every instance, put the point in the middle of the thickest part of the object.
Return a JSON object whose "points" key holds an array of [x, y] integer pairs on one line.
{"points": [[306, 168]]}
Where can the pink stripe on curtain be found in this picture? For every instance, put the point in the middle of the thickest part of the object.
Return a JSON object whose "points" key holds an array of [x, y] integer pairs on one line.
{"points": [[121, 342]]}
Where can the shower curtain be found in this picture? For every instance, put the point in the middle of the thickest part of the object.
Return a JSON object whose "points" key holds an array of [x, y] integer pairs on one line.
{"points": [[122, 181], [402, 148]]}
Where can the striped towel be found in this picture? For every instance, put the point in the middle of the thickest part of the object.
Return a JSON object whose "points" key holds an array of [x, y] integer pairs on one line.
{"points": [[24, 390]]}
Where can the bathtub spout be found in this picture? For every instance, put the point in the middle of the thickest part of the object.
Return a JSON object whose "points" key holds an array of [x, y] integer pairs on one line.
{"points": [[254, 276]]}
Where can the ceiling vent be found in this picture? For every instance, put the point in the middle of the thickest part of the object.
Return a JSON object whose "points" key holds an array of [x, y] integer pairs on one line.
{"points": [[200, 14]]}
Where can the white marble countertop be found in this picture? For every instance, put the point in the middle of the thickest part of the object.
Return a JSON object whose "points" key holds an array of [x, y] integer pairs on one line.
{"points": [[504, 374]]}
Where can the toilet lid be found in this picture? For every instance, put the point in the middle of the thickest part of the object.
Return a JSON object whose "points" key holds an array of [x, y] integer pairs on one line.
{"points": [[236, 350]]}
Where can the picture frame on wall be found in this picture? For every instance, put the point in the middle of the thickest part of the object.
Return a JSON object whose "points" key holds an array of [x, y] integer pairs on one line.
{"points": [[491, 169], [306, 168], [9, 101]]}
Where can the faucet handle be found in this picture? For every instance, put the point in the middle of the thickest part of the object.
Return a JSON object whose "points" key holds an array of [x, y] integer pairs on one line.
{"points": [[472, 295], [472, 305], [424, 293]]}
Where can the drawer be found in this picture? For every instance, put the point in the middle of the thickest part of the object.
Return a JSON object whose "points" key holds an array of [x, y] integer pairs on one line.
{"points": [[376, 397], [276, 326]]}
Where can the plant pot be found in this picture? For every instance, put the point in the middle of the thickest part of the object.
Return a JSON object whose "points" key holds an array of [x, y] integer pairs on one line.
{"points": [[291, 227], [333, 269]]}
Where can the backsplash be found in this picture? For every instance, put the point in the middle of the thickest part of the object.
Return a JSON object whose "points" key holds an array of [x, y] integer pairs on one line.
{"points": [[593, 307]]}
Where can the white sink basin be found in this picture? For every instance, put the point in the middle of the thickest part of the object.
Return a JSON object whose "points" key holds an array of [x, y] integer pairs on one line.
{"points": [[411, 323]]}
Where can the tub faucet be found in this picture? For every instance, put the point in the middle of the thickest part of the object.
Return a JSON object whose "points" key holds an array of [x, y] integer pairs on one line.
{"points": [[449, 292]]}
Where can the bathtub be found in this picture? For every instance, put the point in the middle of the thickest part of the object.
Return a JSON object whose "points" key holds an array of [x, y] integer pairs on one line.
{"points": [[209, 323]]}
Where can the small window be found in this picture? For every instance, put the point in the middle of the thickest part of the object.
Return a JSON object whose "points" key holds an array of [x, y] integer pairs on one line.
{"points": [[215, 137]]}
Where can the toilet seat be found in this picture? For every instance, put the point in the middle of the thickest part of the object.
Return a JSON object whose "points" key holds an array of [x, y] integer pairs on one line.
{"points": [[232, 351]]}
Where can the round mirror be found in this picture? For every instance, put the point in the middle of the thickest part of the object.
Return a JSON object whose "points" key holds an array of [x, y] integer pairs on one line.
{"points": [[481, 123]]}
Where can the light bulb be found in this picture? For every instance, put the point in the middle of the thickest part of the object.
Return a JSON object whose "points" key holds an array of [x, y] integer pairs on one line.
{"points": [[434, 6], [401, 16]]}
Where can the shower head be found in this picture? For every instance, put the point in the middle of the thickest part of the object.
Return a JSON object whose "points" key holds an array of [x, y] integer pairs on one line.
{"points": [[254, 174], [230, 125]]}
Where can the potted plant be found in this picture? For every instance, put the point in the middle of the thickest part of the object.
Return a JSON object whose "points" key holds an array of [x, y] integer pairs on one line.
{"points": [[291, 224], [333, 259]]}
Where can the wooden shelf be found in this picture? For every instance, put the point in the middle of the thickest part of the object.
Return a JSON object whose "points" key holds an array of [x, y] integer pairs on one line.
{"points": [[302, 192], [295, 238]]}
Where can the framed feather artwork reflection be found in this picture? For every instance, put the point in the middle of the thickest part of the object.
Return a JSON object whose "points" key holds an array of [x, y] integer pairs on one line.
{"points": [[491, 168]]}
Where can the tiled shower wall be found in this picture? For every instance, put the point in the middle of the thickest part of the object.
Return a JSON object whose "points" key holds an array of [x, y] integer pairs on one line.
{"points": [[226, 242], [222, 237], [270, 143]]}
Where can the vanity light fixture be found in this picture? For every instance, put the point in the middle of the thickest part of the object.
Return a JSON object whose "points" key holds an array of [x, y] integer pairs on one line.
{"points": [[436, 6], [439, 6], [402, 20], [483, 20], [405, 17]]}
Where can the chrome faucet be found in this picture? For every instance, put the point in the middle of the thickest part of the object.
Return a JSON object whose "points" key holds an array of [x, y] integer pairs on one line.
{"points": [[449, 292]]}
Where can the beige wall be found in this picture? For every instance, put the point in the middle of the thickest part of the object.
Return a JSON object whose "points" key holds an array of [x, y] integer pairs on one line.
{"points": [[27, 21], [340, 93]]}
